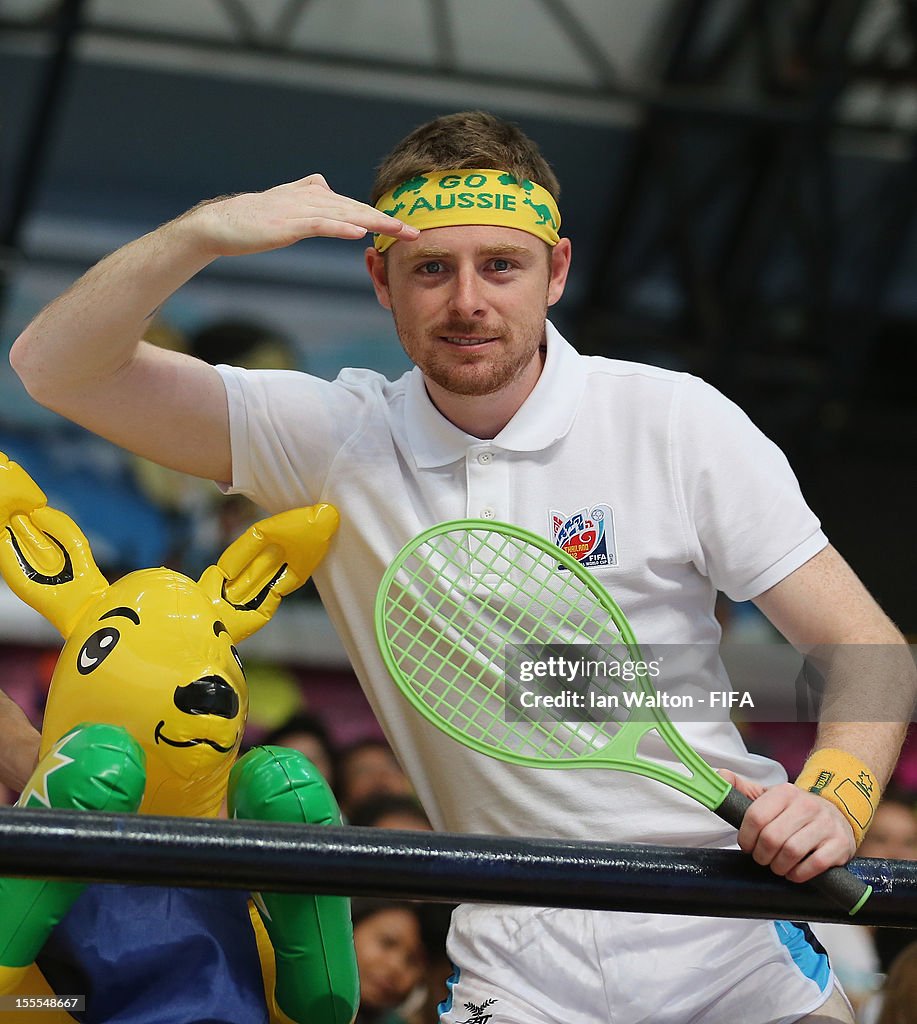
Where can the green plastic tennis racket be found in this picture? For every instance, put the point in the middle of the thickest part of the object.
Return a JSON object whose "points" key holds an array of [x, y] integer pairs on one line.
{"points": [[463, 598]]}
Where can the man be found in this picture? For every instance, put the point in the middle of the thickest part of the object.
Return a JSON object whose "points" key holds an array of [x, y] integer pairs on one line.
{"points": [[502, 419]]}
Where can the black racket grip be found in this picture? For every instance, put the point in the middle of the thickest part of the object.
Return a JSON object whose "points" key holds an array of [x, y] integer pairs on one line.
{"points": [[838, 884]]}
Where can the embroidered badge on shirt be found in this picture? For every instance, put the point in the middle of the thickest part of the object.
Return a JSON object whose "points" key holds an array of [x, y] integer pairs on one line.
{"points": [[588, 535], [478, 1016]]}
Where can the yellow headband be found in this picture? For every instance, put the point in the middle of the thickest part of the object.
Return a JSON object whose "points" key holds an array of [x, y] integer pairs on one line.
{"points": [[441, 199]]}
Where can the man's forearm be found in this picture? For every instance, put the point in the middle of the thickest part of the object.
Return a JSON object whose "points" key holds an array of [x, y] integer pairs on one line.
{"points": [[869, 692], [94, 328], [19, 742], [83, 357], [862, 666], [866, 678], [867, 705], [876, 744]]}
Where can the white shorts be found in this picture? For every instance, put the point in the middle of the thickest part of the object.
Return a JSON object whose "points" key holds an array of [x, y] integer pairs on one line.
{"points": [[519, 965]]}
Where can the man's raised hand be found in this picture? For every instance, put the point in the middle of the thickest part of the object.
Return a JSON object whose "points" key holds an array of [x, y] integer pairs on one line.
{"points": [[252, 222]]}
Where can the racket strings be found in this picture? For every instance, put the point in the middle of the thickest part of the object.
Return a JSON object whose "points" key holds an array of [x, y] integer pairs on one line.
{"points": [[454, 607]]}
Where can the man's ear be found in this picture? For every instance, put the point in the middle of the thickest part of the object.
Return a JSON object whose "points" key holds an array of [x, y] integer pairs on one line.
{"points": [[561, 255], [378, 273]]}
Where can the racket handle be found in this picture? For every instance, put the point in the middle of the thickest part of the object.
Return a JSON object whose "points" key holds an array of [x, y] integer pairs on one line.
{"points": [[839, 884]]}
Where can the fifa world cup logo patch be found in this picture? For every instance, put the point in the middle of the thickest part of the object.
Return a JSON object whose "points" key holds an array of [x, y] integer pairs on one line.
{"points": [[588, 535]]}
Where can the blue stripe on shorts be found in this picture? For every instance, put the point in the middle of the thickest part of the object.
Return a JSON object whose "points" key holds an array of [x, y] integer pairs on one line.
{"points": [[446, 1005], [807, 952]]}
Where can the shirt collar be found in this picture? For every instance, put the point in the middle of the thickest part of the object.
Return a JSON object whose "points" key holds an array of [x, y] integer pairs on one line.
{"points": [[545, 416]]}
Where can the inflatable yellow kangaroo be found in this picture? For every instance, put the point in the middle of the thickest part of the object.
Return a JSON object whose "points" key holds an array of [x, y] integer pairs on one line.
{"points": [[146, 712]]}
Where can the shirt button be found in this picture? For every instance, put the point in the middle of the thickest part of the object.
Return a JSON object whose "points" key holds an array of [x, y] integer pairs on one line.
{"points": [[485, 458], [488, 513]]}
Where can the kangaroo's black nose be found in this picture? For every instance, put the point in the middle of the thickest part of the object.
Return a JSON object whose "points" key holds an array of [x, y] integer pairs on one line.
{"points": [[209, 695]]}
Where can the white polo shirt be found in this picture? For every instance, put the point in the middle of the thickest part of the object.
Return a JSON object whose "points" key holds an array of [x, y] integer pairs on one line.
{"points": [[693, 497]]}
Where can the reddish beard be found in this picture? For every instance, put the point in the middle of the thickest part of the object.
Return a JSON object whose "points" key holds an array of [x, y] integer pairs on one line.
{"points": [[478, 372]]}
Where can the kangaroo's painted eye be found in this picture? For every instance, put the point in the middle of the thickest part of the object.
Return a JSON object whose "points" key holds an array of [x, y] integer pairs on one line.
{"points": [[235, 654], [96, 649]]}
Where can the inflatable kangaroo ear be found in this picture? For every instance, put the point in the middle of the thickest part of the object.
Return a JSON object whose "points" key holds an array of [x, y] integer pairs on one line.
{"points": [[44, 556], [270, 560]]}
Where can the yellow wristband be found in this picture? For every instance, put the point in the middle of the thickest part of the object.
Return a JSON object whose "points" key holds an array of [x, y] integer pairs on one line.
{"points": [[846, 782]]}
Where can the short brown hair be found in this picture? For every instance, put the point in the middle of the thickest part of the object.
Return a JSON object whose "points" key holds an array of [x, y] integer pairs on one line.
{"points": [[471, 138]]}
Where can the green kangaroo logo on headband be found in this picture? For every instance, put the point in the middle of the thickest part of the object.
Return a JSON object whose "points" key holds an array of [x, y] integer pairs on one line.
{"points": [[542, 210]]}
